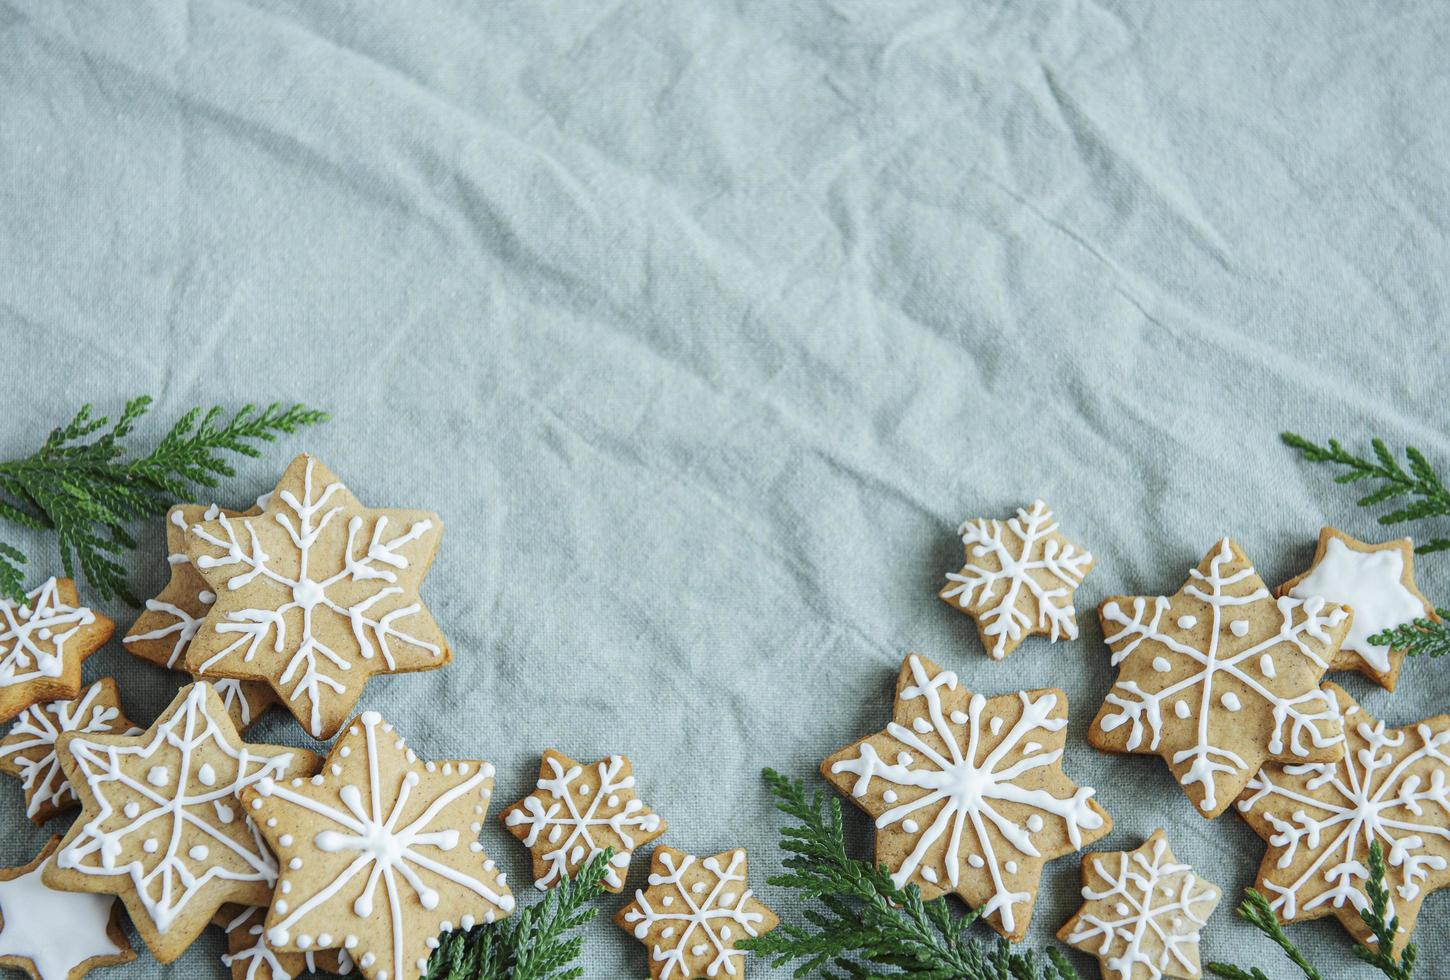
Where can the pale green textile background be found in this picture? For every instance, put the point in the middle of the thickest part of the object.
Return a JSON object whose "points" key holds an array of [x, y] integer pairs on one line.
{"points": [[703, 325]]}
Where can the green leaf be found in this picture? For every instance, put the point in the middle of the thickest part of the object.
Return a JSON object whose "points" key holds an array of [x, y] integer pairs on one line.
{"points": [[1423, 636]]}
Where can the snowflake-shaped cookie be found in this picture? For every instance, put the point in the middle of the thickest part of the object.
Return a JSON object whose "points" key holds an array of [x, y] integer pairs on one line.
{"points": [[968, 792], [1142, 912], [693, 913], [28, 751], [379, 853], [1019, 579], [1392, 786], [43, 642], [577, 811], [1220, 677], [161, 826], [250, 958], [315, 595]]}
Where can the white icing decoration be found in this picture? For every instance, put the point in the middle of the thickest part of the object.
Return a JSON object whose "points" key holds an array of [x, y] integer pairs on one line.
{"points": [[56, 931], [42, 778], [708, 919], [1187, 622], [1369, 582], [33, 634]]}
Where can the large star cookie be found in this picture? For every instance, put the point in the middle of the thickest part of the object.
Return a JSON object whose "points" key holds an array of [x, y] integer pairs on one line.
{"points": [[163, 632], [250, 958], [379, 853], [1392, 786], [577, 811], [693, 913], [1220, 678], [968, 792], [28, 751], [161, 826], [315, 595], [43, 642], [1019, 579], [55, 935], [1377, 582], [1142, 912]]}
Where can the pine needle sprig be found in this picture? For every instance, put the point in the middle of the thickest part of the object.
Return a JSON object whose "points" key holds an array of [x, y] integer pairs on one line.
{"points": [[80, 484], [535, 944], [1419, 636]]}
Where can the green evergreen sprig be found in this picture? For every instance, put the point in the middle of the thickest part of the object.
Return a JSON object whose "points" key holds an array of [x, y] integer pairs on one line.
{"points": [[80, 484], [1419, 636], [534, 944], [860, 922]]}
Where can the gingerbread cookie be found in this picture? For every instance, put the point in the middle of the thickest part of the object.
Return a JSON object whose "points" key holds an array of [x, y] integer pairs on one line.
{"points": [[1019, 579], [379, 852], [1391, 786], [1377, 582], [1220, 678], [55, 935], [577, 811], [968, 792], [250, 958], [315, 595], [1142, 912], [43, 642], [693, 913], [161, 826], [28, 751]]}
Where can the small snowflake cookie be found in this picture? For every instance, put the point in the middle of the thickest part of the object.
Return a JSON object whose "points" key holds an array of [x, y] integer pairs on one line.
{"points": [[250, 958], [1019, 579], [315, 595], [28, 751], [379, 853], [1142, 913], [43, 641], [1391, 786], [577, 811], [693, 913], [162, 633], [1377, 582], [160, 824], [1220, 678], [55, 935], [968, 792]]}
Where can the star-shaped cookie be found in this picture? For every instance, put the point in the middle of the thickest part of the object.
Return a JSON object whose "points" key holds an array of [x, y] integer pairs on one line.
{"points": [[43, 642], [379, 852], [1391, 786], [55, 935], [1019, 579], [161, 825], [1142, 912], [968, 792], [1377, 582], [250, 958], [28, 751], [693, 913], [315, 595], [577, 811], [1220, 678]]}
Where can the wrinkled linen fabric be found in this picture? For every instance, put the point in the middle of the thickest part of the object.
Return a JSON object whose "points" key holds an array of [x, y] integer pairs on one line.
{"points": [[703, 325]]}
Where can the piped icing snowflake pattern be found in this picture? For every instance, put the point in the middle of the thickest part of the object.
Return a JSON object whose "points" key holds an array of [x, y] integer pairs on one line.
{"points": [[693, 913], [43, 641], [1019, 579], [575, 812], [250, 958], [1142, 913], [28, 751], [1392, 786], [315, 595], [968, 792], [378, 829], [1220, 677]]}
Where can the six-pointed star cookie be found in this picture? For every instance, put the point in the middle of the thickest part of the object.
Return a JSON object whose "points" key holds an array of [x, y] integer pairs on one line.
{"points": [[1392, 786], [250, 958], [1141, 913], [43, 642], [315, 595], [1019, 579], [55, 935], [1377, 582], [693, 913], [379, 852], [577, 811], [28, 751], [968, 792], [1220, 678], [161, 826]]}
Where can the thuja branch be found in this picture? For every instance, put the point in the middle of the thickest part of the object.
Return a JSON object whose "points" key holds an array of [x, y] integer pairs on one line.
{"points": [[1419, 636]]}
